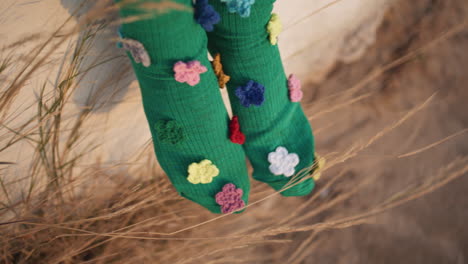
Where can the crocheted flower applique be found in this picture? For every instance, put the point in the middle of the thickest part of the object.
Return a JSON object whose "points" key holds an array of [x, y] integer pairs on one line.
{"points": [[274, 28], [251, 94], [202, 172], [318, 166], [235, 135], [188, 72], [206, 15], [294, 86], [230, 198], [137, 50], [169, 131], [242, 7], [282, 162], [218, 70]]}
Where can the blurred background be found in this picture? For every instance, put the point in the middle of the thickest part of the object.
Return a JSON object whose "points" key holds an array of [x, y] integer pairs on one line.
{"points": [[385, 90]]}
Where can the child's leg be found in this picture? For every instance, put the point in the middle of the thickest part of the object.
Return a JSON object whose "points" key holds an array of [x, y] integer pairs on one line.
{"points": [[275, 127], [184, 108]]}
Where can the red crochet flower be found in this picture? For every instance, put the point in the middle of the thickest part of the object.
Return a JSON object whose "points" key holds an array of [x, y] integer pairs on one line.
{"points": [[235, 135]]}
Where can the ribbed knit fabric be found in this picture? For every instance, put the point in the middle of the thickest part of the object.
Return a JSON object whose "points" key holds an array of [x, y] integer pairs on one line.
{"points": [[189, 124], [247, 54]]}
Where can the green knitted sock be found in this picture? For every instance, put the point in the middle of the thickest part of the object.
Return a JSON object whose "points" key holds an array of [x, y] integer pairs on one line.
{"points": [[279, 140], [183, 105]]}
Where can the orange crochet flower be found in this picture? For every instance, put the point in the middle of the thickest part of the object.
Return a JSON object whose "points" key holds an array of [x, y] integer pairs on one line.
{"points": [[218, 69]]}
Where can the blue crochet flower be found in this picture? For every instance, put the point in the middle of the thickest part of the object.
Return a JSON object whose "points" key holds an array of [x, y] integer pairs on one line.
{"points": [[240, 6], [206, 15], [251, 94]]}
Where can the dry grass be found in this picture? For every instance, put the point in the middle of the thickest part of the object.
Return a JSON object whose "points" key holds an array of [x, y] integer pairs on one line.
{"points": [[59, 217]]}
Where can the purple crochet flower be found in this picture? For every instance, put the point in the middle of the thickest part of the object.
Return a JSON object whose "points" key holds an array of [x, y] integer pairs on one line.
{"points": [[137, 50], [206, 15], [230, 198], [251, 93]]}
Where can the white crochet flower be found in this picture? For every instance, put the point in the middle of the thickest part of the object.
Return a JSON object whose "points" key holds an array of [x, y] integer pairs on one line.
{"points": [[283, 163]]}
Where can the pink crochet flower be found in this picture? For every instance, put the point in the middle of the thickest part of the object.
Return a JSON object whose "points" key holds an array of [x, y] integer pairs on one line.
{"points": [[230, 198], [189, 72], [294, 86], [295, 95]]}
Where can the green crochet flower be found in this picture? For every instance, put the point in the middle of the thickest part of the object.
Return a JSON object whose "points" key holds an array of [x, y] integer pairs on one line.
{"points": [[169, 131]]}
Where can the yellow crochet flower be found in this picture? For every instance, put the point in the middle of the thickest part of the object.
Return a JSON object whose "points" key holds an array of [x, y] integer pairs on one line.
{"points": [[202, 172], [318, 167], [274, 28]]}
